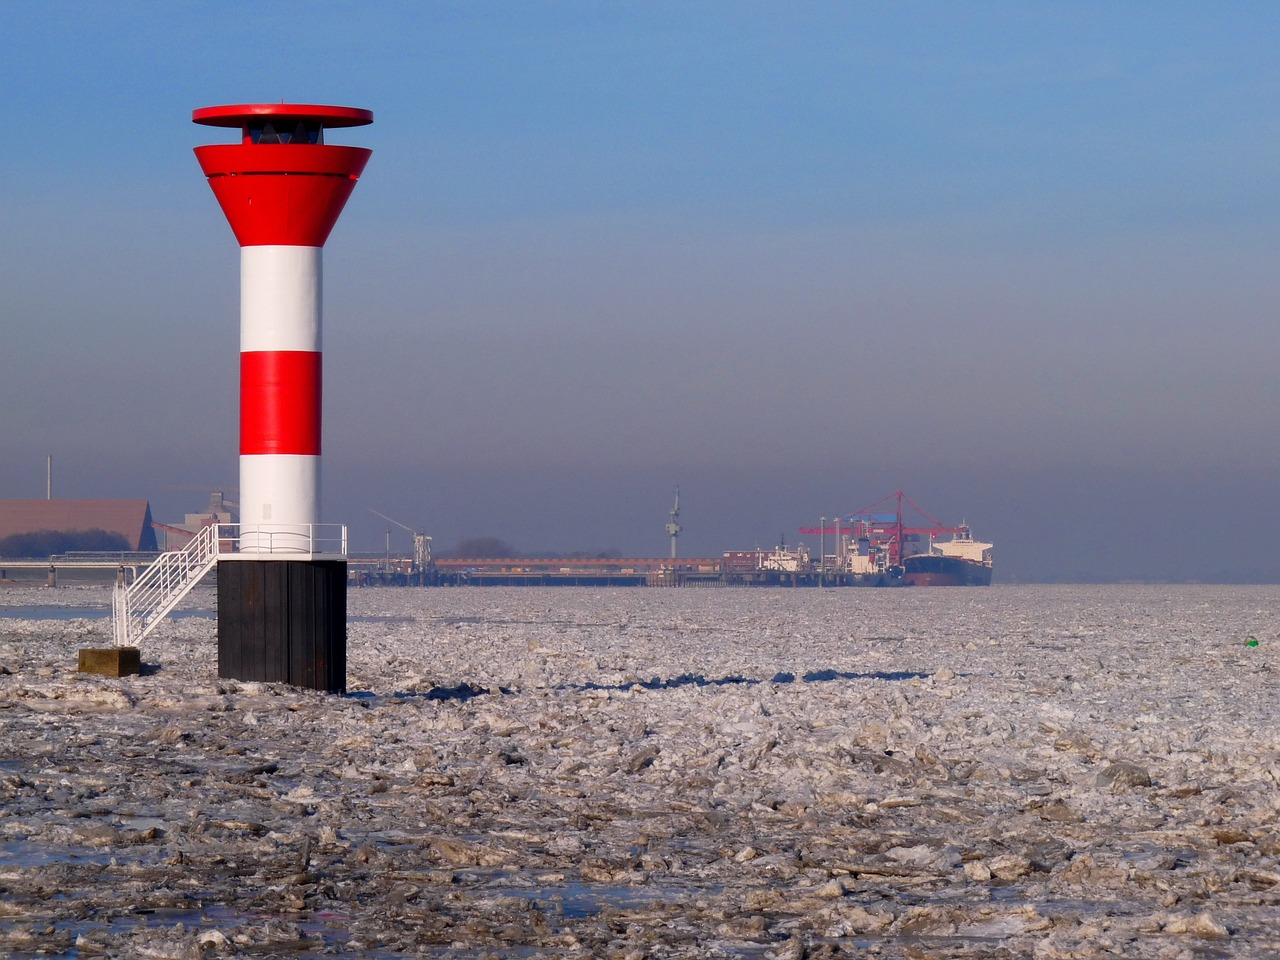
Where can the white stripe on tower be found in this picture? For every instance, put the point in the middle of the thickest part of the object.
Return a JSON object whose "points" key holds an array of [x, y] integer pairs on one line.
{"points": [[280, 298]]}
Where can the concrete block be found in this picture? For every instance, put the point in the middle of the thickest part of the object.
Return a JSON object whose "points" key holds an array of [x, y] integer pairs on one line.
{"points": [[111, 661]]}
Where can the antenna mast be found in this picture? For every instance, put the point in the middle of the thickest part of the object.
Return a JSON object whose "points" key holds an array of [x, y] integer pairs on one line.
{"points": [[673, 526]]}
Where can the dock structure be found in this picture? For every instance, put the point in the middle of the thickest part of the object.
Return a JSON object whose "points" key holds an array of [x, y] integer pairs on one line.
{"points": [[535, 572], [581, 572], [739, 568]]}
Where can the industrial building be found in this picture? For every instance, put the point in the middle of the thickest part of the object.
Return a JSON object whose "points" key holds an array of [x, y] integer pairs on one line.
{"points": [[129, 519]]}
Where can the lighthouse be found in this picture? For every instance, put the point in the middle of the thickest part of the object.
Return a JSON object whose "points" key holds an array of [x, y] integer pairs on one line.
{"points": [[282, 588]]}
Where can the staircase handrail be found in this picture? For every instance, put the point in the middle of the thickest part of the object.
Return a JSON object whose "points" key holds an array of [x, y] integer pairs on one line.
{"points": [[139, 607]]}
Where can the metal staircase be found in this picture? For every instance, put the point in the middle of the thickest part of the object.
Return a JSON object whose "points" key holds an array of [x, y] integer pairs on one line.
{"points": [[137, 608]]}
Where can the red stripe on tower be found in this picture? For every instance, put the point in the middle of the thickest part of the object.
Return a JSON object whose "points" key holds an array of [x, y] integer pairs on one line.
{"points": [[280, 402]]}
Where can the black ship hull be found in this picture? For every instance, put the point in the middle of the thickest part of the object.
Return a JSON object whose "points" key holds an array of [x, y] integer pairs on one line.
{"points": [[927, 570]]}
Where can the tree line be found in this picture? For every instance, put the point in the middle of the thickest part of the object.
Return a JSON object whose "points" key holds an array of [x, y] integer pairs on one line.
{"points": [[45, 543], [495, 548]]}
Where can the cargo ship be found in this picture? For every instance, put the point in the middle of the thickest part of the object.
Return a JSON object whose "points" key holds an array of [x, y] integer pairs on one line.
{"points": [[958, 562], [874, 548]]}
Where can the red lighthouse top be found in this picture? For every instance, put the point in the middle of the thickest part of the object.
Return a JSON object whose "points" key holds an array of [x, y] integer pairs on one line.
{"points": [[281, 184]]}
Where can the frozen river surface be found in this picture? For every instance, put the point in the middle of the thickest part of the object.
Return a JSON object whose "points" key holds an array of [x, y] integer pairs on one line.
{"points": [[1044, 772]]}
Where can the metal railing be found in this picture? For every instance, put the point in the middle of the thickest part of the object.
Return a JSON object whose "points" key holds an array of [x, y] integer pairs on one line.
{"points": [[138, 608], [105, 557], [323, 539]]}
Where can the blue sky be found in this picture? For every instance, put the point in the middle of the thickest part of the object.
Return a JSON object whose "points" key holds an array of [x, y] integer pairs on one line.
{"points": [[1018, 259]]}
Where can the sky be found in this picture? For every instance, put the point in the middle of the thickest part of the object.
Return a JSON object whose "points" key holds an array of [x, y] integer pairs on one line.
{"points": [[1016, 259]]}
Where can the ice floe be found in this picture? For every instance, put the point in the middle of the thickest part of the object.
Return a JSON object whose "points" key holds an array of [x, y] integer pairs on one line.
{"points": [[1022, 771]]}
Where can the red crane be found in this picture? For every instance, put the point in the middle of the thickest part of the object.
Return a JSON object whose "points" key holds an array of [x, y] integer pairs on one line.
{"points": [[887, 531]]}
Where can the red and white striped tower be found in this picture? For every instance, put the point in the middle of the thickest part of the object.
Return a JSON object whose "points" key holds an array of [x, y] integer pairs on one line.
{"points": [[282, 189]]}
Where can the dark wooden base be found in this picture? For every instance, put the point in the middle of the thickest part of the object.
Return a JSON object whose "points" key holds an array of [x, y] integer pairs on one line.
{"points": [[111, 661], [283, 621]]}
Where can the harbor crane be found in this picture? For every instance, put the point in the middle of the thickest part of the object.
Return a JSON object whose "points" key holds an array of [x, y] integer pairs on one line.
{"points": [[886, 530], [421, 544]]}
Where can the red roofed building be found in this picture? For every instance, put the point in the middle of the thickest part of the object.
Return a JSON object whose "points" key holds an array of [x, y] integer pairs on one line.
{"points": [[130, 519]]}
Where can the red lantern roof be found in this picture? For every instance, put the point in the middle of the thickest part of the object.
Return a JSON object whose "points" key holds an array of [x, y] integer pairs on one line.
{"points": [[237, 114]]}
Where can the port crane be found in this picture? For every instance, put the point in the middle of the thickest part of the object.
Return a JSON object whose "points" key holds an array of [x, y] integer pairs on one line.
{"points": [[421, 544], [887, 531]]}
